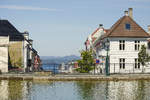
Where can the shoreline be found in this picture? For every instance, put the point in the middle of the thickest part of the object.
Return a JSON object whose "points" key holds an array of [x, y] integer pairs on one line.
{"points": [[116, 77]]}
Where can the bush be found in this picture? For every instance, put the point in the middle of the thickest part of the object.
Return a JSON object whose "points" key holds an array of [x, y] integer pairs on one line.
{"points": [[86, 64], [143, 56]]}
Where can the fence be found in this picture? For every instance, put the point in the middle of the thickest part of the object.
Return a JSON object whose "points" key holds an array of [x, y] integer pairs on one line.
{"points": [[128, 68], [53, 67], [61, 68], [16, 62], [114, 68]]}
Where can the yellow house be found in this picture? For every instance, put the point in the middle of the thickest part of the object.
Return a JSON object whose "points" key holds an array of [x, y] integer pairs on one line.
{"points": [[19, 46]]}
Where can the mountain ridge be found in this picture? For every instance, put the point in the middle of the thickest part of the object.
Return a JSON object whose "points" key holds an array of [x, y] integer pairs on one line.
{"points": [[58, 59]]}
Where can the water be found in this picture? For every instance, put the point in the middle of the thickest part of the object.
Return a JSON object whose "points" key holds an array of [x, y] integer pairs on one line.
{"points": [[74, 90], [51, 67]]}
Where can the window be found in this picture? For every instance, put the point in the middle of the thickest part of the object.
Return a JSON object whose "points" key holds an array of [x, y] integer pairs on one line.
{"points": [[137, 64], [122, 63], [122, 45], [127, 26], [137, 45], [148, 45]]}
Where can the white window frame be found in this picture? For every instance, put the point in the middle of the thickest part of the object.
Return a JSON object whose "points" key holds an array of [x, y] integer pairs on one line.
{"points": [[122, 63], [121, 44], [137, 64], [136, 45]]}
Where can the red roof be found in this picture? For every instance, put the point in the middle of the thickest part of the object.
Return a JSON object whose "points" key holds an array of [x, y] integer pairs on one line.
{"points": [[95, 31], [93, 39]]}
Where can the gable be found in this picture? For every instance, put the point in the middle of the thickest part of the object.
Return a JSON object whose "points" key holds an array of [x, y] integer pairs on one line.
{"points": [[126, 27]]}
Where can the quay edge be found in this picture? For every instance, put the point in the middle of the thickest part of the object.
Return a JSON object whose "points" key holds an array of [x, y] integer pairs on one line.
{"points": [[78, 77]]}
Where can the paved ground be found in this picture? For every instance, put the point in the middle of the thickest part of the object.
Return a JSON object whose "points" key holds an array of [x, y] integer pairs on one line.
{"points": [[115, 77]]}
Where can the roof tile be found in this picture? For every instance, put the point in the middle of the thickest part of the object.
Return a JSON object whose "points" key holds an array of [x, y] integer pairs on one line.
{"points": [[119, 30]]}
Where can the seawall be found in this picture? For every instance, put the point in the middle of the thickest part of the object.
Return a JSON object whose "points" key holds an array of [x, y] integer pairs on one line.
{"points": [[126, 77]]}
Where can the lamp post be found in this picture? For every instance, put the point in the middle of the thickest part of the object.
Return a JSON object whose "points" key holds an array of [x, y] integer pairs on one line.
{"points": [[107, 59]]}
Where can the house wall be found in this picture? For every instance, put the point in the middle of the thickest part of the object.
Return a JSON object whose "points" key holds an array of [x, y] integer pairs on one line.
{"points": [[25, 54], [4, 41], [129, 54], [19, 54], [16, 54]]}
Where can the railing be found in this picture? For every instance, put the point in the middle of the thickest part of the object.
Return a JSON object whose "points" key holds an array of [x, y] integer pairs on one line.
{"points": [[66, 69], [114, 68], [128, 68], [52, 67]]}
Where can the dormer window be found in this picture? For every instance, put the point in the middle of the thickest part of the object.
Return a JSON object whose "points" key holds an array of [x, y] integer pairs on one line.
{"points": [[127, 26]]}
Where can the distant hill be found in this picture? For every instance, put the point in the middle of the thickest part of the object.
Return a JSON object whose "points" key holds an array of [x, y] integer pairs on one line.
{"points": [[57, 59]]}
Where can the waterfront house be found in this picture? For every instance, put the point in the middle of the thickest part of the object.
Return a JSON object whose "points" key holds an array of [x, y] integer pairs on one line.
{"points": [[89, 44], [122, 43], [18, 48], [31, 58], [4, 42], [92, 37]]}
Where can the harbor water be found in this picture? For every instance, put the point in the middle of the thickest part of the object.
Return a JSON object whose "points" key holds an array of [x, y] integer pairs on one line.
{"points": [[74, 90], [51, 67]]}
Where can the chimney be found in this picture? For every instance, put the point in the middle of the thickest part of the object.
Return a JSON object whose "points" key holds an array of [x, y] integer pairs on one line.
{"points": [[31, 41], [100, 25], [126, 13], [130, 12], [149, 29], [26, 35]]}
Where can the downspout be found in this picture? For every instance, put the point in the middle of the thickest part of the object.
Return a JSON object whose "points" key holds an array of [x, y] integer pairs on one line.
{"points": [[24, 60]]}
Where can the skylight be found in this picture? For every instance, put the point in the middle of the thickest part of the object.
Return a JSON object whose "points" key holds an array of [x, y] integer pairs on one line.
{"points": [[127, 26]]}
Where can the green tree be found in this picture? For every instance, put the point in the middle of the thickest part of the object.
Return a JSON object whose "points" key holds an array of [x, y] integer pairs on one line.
{"points": [[143, 56], [87, 62]]}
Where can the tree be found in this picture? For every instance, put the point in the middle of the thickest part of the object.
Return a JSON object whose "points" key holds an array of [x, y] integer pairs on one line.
{"points": [[86, 63], [143, 56]]}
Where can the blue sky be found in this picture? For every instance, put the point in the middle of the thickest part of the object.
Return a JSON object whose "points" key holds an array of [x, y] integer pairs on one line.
{"points": [[60, 27]]}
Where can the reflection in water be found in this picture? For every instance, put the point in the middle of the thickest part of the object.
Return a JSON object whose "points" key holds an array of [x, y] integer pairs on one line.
{"points": [[129, 90], [85, 90], [97, 90], [54, 91], [14, 89], [3, 90], [74, 90], [110, 90]]}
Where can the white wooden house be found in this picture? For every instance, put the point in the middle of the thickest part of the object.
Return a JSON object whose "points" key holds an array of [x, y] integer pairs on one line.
{"points": [[125, 38]]}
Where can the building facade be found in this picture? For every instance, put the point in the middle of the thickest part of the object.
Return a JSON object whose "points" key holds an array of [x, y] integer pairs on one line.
{"points": [[16, 46], [122, 43], [4, 42]]}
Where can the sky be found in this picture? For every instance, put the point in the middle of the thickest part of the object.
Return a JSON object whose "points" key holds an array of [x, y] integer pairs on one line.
{"points": [[60, 27]]}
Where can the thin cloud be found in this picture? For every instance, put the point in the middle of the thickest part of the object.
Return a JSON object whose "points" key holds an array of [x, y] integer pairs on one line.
{"points": [[14, 7]]}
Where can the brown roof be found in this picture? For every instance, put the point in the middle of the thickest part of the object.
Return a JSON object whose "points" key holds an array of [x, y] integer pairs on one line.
{"points": [[119, 30], [106, 30]]}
